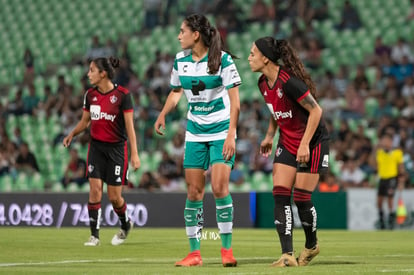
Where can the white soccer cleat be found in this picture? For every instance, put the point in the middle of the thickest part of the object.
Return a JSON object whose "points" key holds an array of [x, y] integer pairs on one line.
{"points": [[93, 241], [121, 236]]}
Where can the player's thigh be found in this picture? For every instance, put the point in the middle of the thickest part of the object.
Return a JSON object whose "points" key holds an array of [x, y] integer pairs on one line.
{"points": [[306, 181], [283, 175], [220, 175], [195, 180], [95, 190]]}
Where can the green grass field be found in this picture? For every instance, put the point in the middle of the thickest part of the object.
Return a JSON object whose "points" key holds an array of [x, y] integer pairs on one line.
{"points": [[154, 251]]}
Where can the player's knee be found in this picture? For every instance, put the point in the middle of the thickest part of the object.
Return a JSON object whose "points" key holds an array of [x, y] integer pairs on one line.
{"points": [[301, 195]]}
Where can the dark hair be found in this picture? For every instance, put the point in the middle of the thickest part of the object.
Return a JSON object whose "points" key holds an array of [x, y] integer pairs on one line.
{"points": [[107, 64], [211, 38], [281, 50]]}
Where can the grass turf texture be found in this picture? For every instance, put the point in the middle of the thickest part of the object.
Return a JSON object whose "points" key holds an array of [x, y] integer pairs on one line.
{"points": [[154, 251]]}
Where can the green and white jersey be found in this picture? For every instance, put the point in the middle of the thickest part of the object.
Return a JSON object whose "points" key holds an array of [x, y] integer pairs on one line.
{"points": [[207, 94]]}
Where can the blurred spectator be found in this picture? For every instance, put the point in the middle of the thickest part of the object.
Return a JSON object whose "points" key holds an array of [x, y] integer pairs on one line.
{"points": [[109, 49], [30, 101], [351, 175], [380, 49], [153, 10], [315, 10], [29, 72], [313, 54], [75, 171], [349, 17], [354, 107], [47, 104], [361, 82], [168, 174], [5, 164], [17, 136], [401, 49], [259, 12], [148, 182], [16, 105], [328, 183], [26, 160], [95, 49], [341, 80], [236, 174]]}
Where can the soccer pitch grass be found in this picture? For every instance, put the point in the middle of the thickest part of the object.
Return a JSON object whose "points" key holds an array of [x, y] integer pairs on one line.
{"points": [[155, 250]]}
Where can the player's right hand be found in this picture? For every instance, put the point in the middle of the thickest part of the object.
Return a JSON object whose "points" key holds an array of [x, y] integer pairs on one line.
{"points": [[67, 140], [266, 147], [159, 125]]}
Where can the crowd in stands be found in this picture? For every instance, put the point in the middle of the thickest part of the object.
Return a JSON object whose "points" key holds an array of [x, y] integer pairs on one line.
{"points": [[360, 104]]}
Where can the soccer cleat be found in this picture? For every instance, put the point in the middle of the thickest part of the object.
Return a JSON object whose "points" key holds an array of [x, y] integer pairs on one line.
{"points": [[307, 255], [227, 257], [122, 234], [93, 241], [192, 259], [285, 260]]}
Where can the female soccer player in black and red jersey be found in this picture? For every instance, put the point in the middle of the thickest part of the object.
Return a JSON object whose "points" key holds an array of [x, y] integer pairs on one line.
{"points": [[108, 109], [302, 150]]}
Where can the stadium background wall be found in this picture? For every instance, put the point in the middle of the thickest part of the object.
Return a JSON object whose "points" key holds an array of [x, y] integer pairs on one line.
{"points": [[353, 210]]}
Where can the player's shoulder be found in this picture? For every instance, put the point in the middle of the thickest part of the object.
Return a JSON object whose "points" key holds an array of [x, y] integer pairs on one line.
{"points": [[284, 75], [183, 54], [122, 89]]}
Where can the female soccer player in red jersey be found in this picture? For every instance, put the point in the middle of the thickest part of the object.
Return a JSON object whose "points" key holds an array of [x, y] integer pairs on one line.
{"points": [[108, 109], [302, 151]]}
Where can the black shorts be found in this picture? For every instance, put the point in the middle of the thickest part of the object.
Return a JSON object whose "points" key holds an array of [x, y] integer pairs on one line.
{"points": [[108, 162], [387, 187], [318, 162]]}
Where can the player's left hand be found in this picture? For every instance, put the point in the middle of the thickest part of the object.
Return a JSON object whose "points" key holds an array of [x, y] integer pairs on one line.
{"points": [[229, 148], [135, 162]]}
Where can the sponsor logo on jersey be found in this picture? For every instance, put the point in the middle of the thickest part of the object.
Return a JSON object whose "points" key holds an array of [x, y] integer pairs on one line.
{"points": [[96, 114], [113, 99], [279, 92], [94, 98], [283, 115]]}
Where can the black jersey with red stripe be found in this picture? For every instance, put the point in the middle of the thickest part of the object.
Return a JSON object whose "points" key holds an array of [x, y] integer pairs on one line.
{"points": [[283, 102], [106, 111]]}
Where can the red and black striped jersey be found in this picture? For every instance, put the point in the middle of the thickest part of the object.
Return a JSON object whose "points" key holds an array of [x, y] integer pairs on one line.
{"points": [[283, 102], [106, 112]]}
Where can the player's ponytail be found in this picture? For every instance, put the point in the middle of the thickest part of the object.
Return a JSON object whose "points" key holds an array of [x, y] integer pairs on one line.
{"points": [[211, 38]]}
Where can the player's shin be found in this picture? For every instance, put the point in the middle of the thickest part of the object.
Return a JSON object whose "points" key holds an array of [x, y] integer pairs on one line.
{"points": [[283, 217], [224, 216], [123, 216], [194, 219], [307, 215], [94, 210]]}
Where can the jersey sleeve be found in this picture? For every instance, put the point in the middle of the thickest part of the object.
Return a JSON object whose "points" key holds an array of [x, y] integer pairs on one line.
{"points": [[86, 103], [175, 80], [229, 74], [127, 105], [295, 88]]}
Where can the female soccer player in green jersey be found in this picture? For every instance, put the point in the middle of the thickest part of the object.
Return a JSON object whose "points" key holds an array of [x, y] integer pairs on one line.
{"points": [[206, 74]]}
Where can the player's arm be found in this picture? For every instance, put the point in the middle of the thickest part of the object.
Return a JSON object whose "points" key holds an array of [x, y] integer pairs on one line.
{"points": [[315, 113], [80, 127], [267, 144], [169, 105], [129, 125], [229, 146]]}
